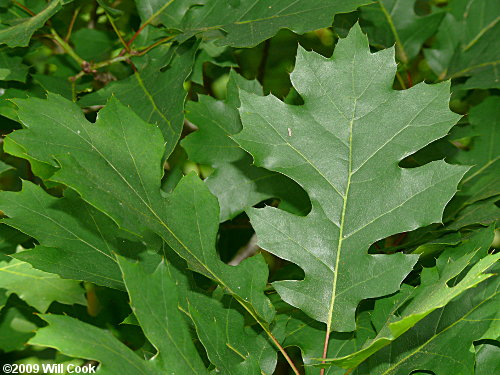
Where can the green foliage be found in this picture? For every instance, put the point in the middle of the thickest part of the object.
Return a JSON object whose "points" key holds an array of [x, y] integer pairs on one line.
{"points": [[243, 188]]}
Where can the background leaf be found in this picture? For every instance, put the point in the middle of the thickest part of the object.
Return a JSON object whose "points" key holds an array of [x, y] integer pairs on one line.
{"points": [[39, 289]]}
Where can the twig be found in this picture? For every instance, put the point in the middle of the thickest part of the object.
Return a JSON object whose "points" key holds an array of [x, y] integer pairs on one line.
{"points": [[410, 80], [27, 10], [400, 238], [401, 81], [245, 252], [70, 51], [156, 44], [71, 24], [116, 59], [148, 21], [399, 45], [117, 32]]}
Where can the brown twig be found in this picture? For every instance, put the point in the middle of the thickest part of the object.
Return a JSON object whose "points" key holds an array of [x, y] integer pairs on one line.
{"points": [[27, 10], [143, 26], [154, 45], [71, 24], [410, 80], [117, 32]]}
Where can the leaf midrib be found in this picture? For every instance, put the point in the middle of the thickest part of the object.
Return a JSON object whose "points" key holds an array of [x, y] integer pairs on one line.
{"points": [[342, 218]]}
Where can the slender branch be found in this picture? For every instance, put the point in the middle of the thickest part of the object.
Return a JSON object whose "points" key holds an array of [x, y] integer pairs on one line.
{"points": [[69, 50], [463, 71], [71, 24], [102, 64], [401, 81], [402, 53], [410, 79], [400, 238], [117, 32], [325, 349], [156, 44], [148, 21], [88, 68], [263, 62], [271, 336], [27, 10], [245, 252]]}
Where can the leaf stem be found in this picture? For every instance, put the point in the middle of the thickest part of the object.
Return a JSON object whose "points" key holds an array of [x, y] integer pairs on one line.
{"points": [[27, 10], [148, 21], [284, 353], [325, 349], [71, 24], [399, 46], [156, 44], [104, 63], [270, 334], [117, 32], [401, 81], [468, 69], [69, 50]]}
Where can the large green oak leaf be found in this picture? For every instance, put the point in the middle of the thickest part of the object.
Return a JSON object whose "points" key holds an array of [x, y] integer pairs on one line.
{"points": [[343, 147]]}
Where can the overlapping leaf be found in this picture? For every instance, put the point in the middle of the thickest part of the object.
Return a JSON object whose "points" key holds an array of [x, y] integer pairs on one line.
{"points": [[155, 302], [19, 33], [155, 92], [235, 182], [245, 23], [442, 342], [414, 304], [395, 22], [77, 241], [11, 68], [463, 45], [481, 182], [37, 288], [82, 340], [115, 164], [343, 147], [476, 200], [231, 347], [308, 335], [15, 330], [167, 13]]}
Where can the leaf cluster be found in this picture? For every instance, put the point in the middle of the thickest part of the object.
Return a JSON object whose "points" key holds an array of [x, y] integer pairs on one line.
{"points": [[242, 187]]}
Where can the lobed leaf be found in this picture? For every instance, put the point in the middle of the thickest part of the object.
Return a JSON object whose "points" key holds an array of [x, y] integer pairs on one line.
{"points": [[395, 316], [343, 147], [37, 288], [236, 183], [21, 31], [115, 165], [77, 241]]}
